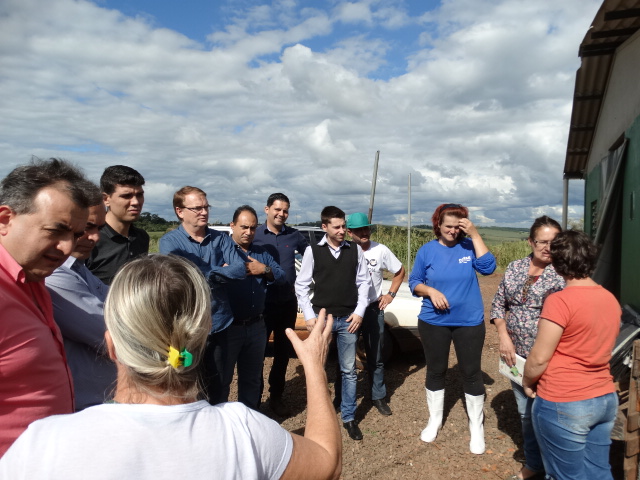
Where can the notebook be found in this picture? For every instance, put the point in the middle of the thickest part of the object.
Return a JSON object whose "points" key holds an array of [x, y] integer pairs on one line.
{"points": [[513, 373]]}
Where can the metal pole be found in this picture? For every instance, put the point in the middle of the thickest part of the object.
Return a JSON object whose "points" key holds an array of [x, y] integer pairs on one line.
{"points": [[409, 227], [373, 184], [565, 202]]}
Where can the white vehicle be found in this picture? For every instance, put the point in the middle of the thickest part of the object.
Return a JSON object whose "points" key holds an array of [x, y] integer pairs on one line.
{"points": [[401, 321]]}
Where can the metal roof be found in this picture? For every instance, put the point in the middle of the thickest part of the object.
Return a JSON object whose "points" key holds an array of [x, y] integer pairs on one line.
{"points": [[615, 22]]}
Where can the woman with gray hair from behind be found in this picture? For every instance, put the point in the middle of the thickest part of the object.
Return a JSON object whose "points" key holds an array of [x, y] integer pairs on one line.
{"points": [[158, 317]]}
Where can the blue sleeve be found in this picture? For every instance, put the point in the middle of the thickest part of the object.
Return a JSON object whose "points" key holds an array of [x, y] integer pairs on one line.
{"points": [[279, 277], [486, 264], [77, 311], [167, 245], [235, 269], [302, 244], [419, 268]]}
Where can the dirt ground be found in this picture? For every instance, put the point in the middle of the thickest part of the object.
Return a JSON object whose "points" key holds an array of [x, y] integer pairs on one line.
{"points": [[391, 448]]}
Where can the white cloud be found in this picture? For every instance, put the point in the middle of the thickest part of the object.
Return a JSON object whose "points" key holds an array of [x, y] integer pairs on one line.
{"points": [[284, 98]]}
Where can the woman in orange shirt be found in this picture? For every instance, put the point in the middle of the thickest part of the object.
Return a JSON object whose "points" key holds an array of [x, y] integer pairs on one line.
{"points": [[567, 371]]}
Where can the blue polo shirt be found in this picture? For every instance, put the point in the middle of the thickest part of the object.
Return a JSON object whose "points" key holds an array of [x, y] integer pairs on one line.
{"points": [[247, 296], [282, 248], [215, 250]]}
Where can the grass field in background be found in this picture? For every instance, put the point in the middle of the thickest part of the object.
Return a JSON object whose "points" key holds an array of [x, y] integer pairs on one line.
{"points": [[494, 236], [153, 241], [506, 244]]}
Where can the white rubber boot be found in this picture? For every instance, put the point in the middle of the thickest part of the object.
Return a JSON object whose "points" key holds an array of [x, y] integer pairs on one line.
{"points": [[475, 410], [435, 402]]}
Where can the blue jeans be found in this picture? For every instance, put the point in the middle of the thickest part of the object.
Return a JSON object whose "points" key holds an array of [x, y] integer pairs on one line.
{"points": [[346, 343], [373, 336], [532, 455], [245, 346], [575, 437]]}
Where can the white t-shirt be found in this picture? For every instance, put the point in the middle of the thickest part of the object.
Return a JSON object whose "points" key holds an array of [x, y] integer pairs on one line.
{"points": [[118, 441], [379, 258]]}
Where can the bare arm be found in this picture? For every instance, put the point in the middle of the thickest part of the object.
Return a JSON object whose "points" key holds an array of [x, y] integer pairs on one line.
{"points": [[549, 334], [507, 350], [386, 299], [437, 298], [317, 455], [478, 243]]}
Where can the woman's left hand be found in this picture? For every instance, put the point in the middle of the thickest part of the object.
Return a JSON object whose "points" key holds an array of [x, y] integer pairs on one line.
{"points": [[468, 227], [529, 392]]}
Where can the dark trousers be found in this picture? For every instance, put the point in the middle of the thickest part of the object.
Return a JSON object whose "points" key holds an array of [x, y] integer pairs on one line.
{"points": [[245, 347], [278, 317], [468, 342], [212, 368]]}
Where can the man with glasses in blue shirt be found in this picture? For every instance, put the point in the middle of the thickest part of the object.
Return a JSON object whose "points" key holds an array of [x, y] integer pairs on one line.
{"points": [[214, 253]]}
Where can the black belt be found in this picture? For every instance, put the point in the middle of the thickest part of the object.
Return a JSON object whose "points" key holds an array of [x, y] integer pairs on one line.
{"points": [[247, 321]]}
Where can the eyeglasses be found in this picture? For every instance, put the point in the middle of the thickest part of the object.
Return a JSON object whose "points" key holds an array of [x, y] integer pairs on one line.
{"points": [[542, 243], [204, 208]]}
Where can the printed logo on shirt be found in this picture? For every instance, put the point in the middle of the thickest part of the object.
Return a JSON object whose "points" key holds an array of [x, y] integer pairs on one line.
{"points": [[464, 259], [372, 264]]}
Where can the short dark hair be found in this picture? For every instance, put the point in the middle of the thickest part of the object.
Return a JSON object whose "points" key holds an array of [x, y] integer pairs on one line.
{"points": [[20, 187], [543, 221], [453, 209], [119, 175], [573, 254], [244, 208], [274, 197], [331, 212]]}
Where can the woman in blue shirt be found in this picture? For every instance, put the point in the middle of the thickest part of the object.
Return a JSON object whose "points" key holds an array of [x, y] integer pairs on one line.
{"points": [[444, 274]]}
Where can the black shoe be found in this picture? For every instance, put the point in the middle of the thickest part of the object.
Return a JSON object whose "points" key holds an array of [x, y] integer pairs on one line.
{"points": [[277, 407], [336, 404], [353, 430], [382, 407]]}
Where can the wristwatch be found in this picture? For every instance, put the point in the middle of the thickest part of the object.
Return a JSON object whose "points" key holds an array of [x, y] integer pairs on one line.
{"points": [[267, 269], [393, 294]]}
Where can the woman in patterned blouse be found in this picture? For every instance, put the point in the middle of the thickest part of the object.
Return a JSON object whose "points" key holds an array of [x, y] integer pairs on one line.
{"points": [[526, 283]]}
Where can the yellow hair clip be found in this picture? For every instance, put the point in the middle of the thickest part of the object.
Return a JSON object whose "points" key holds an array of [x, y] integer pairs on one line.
{"points": [[177, 359]]}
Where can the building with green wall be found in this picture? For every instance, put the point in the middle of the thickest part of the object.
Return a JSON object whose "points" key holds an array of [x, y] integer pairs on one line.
{"points": [[603, 148]]}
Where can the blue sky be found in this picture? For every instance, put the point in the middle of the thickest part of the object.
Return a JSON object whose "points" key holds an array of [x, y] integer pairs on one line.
{"points": [[242, 98]]}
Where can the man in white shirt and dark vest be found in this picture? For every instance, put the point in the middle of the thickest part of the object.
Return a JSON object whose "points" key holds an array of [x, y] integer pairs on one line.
{"points": [[339, 271]]}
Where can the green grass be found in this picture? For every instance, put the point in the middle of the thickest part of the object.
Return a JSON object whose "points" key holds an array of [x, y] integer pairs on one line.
{"points": [[506, 244], [496, 236], [153, 241]]}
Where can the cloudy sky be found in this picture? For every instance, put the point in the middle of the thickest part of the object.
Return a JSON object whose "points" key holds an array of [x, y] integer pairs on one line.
{"points": [[243, 98]]}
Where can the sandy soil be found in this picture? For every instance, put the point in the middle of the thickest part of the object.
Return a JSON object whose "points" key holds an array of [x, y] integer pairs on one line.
{"points": [[391, 448]]}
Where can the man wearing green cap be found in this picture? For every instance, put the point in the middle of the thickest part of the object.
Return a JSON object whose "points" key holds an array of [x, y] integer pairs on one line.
{"points": [[378, 258]]}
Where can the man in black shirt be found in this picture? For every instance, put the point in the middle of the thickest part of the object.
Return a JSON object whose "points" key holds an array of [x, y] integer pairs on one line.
{"points": [[119, 240]]}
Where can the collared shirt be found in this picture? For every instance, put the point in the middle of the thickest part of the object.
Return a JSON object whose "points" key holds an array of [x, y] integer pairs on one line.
{"points": [[36, 381], [247, 296], [522, 312], [282, 247], [114, 250], [78, 307], [209, 256], [305, 276]]}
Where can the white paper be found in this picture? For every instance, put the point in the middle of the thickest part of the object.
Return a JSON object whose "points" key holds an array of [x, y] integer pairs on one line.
{"points": [[513, 373]]}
